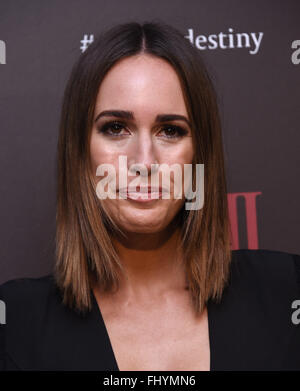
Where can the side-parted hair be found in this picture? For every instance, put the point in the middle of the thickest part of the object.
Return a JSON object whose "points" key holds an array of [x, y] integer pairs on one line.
{"points": [[84, 247]]}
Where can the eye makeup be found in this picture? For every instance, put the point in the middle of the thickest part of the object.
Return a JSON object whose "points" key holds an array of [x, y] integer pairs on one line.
{"points": [[115, 128]]}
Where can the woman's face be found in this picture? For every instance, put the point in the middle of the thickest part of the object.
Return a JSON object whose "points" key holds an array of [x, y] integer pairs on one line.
{"points": [[144, 88]]}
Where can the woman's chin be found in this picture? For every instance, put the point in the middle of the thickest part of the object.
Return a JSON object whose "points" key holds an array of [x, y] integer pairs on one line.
{"points": [[144, 220], [143, 223], [143, 227]]}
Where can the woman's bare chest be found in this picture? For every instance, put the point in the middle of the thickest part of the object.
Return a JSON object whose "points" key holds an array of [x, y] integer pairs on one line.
{"points": [[157, 340]]}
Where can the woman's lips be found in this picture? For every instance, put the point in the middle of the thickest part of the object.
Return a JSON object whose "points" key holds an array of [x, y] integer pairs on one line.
{"points": [[143, 194], [146, 197]]}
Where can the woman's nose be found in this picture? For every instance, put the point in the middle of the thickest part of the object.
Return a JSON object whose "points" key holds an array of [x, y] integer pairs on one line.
{"points": [[143, 154]]}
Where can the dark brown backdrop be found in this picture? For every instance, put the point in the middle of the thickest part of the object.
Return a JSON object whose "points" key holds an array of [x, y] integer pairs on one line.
{"points": [[259, 96]]}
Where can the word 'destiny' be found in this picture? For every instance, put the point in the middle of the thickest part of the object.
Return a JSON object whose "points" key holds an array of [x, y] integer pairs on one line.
{"points": [[230, 40]]}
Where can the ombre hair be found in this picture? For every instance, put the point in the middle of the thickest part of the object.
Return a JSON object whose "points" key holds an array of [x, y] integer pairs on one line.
{"points": [[84, 230]]}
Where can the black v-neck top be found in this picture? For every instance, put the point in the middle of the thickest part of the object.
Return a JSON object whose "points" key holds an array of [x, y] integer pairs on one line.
{"points": [[252, 328]]}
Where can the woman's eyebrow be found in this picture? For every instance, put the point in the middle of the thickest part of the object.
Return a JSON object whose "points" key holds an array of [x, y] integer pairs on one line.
{"points": [[129, 115]]}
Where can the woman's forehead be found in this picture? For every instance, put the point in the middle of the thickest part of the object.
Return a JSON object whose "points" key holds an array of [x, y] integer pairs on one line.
{"points": [[146, 85]]}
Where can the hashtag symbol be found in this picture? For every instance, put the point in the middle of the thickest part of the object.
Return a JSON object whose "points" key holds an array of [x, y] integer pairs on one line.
{"points": [[86, 41]]}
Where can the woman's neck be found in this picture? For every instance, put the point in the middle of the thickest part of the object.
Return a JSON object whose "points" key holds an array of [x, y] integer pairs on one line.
{"points": [[153, 263]]}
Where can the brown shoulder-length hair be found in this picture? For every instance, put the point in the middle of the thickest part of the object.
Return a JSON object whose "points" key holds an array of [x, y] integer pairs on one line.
{"points": [[83, 229]]}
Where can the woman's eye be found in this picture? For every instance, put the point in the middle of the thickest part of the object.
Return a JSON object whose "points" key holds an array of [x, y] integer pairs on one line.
{"points": [[172, 131], [112, 129], [118, 129]]}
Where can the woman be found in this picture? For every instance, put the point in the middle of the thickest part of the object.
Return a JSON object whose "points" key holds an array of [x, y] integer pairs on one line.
{"points": [[142, 282]]}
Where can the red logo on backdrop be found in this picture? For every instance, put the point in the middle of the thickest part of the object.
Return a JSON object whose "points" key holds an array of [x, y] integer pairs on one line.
{"points": [[250, 215]]}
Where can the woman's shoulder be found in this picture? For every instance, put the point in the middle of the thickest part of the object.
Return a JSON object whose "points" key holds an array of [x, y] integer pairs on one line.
{"points": [[265, 279], [28, 282], [255, 325], [270, 267], [25, 300], [265, 258], [41, 333], [31, 290]]}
